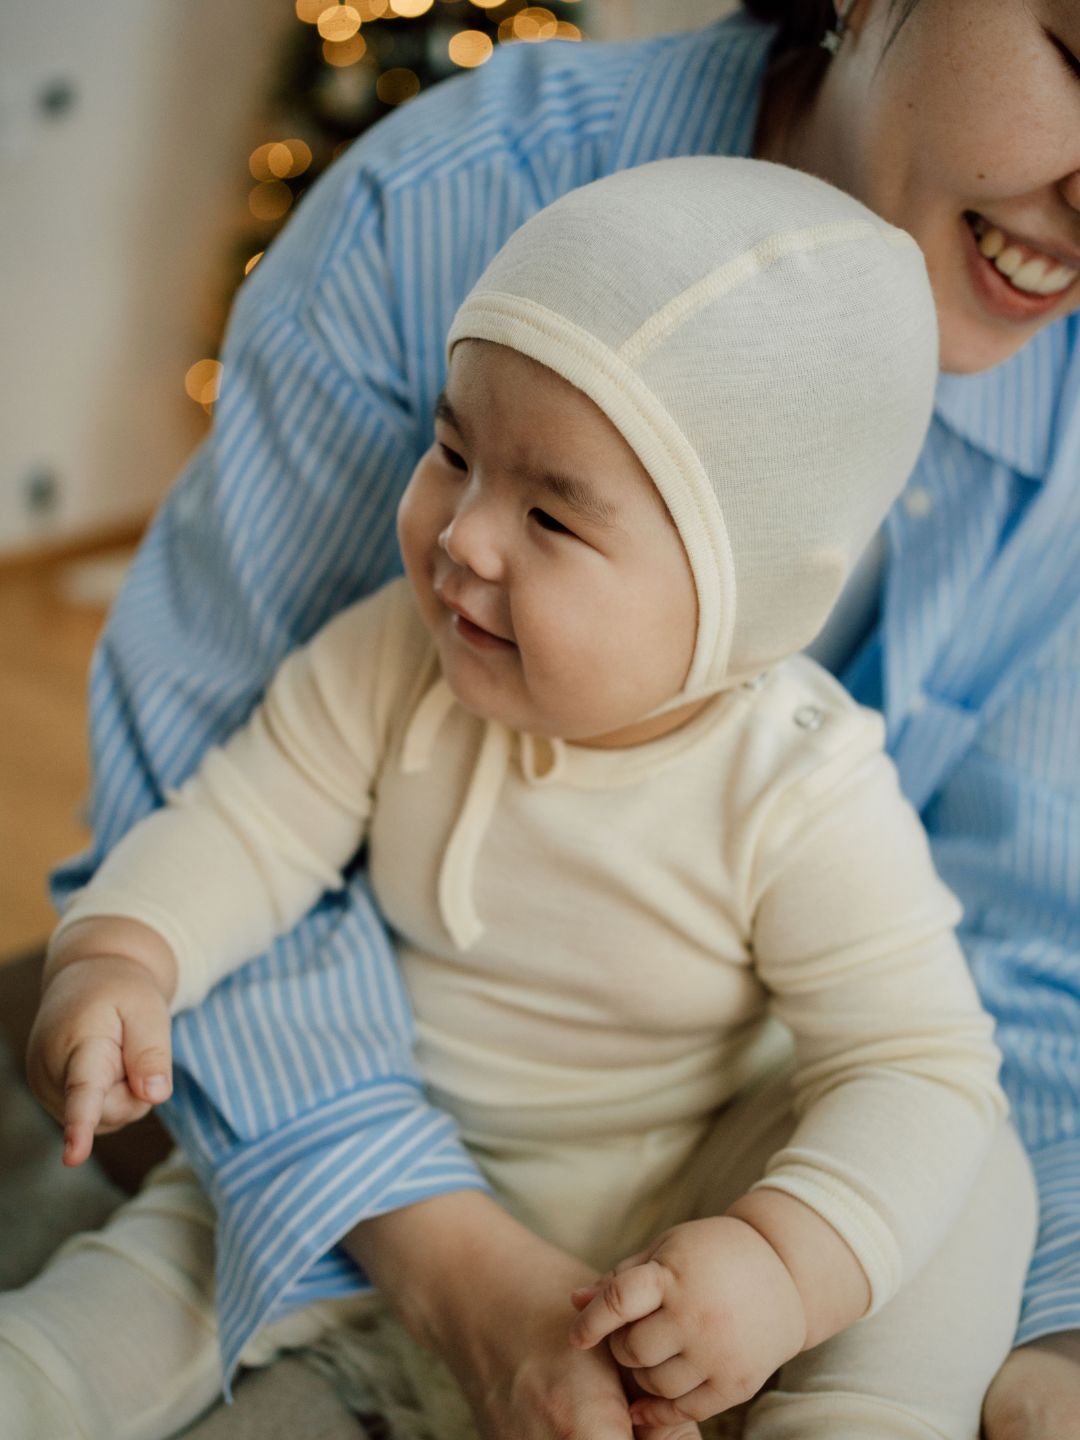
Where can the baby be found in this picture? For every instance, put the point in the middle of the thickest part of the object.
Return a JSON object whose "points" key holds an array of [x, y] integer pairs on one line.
{"points": [[681, 967]]}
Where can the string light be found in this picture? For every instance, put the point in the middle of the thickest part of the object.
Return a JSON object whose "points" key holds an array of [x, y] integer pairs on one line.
{"points": [[301, 156], [348, 52], [279, 160], [203, 381], [270, 200], [469, 48], [533, 24], [394, 87], [539, 16], [338, 23]]}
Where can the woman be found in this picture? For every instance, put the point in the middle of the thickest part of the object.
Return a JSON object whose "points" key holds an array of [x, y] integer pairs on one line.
{"points": [[958, 119]]}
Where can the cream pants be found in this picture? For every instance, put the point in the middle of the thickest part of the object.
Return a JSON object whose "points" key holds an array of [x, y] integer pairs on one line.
{"points": [[116, 1338]]}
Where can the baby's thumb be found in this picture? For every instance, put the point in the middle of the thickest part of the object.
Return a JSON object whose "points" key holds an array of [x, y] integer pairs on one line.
{"points": [[148, 1053]]}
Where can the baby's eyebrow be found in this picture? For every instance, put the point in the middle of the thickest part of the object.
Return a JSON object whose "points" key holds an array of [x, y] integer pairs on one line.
{"points": [[580, 498], [445, 412]]}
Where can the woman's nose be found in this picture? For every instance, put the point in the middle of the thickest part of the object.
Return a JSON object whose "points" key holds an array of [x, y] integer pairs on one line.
{"points": [[1070, 189]]}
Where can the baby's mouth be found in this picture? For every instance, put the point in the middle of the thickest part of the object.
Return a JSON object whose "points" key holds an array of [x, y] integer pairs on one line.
{"points": [[1027, 269]]}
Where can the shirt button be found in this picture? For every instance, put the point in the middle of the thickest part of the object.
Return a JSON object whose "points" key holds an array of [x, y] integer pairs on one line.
{"points": [[808, 717], [917, 502]]}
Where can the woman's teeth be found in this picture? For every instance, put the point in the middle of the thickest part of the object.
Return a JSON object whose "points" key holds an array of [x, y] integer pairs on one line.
{"points": [[1024, 267]]}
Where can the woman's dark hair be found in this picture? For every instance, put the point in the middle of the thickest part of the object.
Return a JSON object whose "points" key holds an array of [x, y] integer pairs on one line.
{"points": [[802, 23]]}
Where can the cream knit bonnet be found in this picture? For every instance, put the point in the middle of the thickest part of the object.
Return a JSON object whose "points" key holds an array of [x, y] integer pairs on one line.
{"points": [[768, 348]]}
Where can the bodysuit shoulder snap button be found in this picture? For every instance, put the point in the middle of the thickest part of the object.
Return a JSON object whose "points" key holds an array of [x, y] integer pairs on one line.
{"points": [[809, 717]]}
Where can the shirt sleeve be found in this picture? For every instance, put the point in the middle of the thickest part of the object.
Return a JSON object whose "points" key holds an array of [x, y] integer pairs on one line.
{"points": [[1005, 832], [246, 845], [895, 1069]]}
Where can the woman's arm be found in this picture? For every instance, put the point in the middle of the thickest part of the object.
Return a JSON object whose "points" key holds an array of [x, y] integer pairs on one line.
{"points": [[493, 1301]]}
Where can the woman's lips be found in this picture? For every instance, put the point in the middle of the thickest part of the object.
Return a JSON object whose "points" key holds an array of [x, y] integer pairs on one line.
{"points": [[1013, 279]]}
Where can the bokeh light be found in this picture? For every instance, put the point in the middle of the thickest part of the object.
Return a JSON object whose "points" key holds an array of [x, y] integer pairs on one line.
{"points": [[348, 52], [203, 381], [487, 4], [567, 30], [532, 24], [301, 156], [394, 87], [279, 160], [372, 9], [270, 200], [310, 10], [469, 48], [539, 16], [410, 9], [253, 262], [339, 23]]}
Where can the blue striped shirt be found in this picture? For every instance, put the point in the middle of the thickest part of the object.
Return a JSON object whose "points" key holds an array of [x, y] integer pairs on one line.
{"points": [[297, 1096]]}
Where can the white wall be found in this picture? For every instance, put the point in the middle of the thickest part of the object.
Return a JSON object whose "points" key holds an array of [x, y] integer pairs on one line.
{"points": [[116, 216], [616, 19], [116, 221]]}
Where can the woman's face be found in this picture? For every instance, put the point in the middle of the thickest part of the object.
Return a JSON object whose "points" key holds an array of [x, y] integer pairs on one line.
{"points": [[966, 133]]}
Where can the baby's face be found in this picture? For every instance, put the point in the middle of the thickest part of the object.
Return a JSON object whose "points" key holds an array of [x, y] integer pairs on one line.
{"points": [[545, 564]]}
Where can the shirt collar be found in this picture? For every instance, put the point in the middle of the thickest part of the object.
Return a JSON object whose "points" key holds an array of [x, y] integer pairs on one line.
{"points": [[1010, 412]]}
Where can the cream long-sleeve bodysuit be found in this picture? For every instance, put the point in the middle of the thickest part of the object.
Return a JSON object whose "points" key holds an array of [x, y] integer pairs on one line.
{"points": [[598, 943]]}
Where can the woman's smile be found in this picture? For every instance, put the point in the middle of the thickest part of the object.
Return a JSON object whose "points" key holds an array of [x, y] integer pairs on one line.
{"points": [[1013, 279]]}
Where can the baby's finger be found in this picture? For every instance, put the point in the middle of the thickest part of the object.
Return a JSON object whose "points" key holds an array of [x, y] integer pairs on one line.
{"points": [[148, 1051], [648, 1343], [699, 1404], [669, 1380], [580, 1297], [621, 1299], [686, 1431], [90, 1075], [120, 1108]]}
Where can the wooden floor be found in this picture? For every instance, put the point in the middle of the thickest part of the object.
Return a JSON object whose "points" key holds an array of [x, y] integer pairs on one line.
{"points": [[49, 620]]}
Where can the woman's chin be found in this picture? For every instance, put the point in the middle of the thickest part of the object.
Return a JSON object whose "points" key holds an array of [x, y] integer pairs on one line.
{"points": [[971, 343], [968, 347]]}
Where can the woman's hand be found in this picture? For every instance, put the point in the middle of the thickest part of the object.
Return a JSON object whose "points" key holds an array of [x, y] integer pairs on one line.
{"points": [[492, 1300], [1036, 1393]]}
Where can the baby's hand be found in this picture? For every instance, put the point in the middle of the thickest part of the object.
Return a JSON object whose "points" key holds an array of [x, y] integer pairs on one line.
{"points": [[701, 1318], [99, 1054]]}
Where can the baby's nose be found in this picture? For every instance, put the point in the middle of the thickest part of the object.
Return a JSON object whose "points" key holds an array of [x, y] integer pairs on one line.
{"points": [[471, 541]]}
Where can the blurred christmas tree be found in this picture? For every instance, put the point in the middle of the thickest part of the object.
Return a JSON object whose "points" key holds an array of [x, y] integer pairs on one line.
{"points": [[344, 66]]}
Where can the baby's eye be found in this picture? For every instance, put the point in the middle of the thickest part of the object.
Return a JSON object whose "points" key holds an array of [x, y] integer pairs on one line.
{"points": [[548, 522], [452, 457]]}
